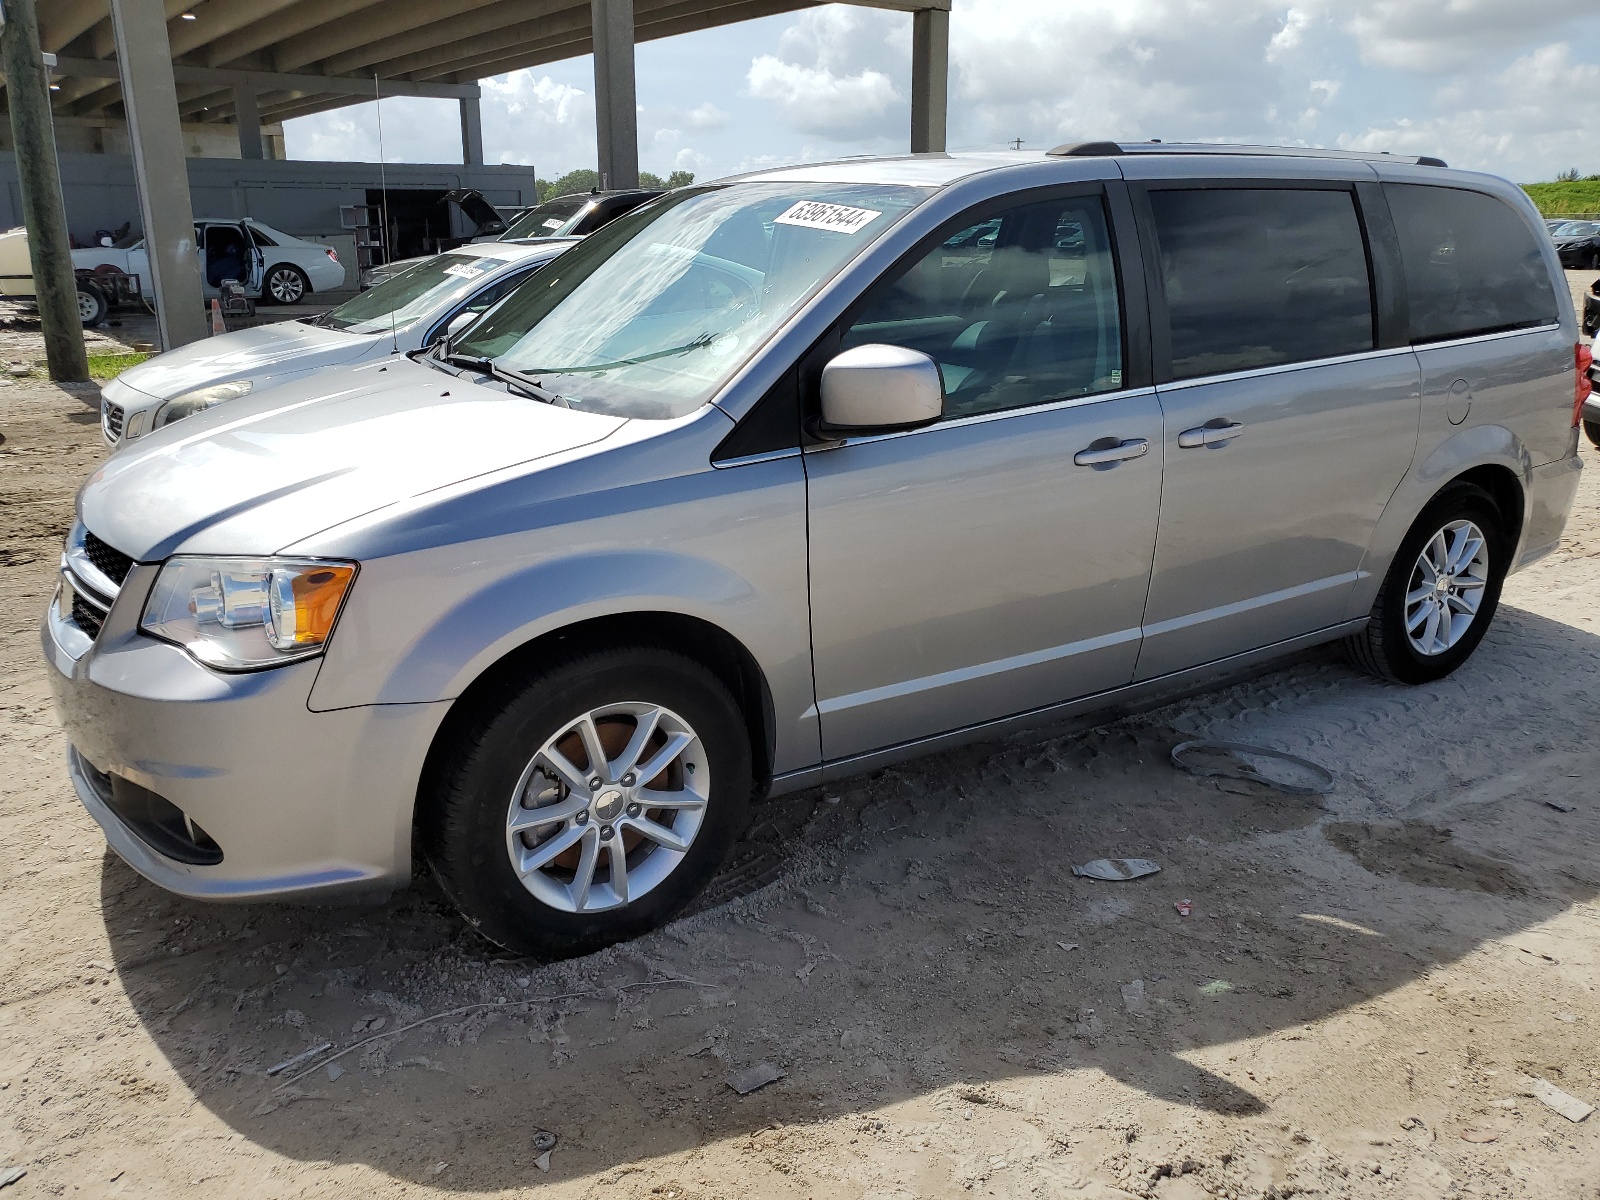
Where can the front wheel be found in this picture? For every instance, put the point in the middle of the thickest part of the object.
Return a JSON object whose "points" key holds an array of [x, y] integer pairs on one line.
{"points": [[588, 804], [285, 284], [92, 304], [1441, 591]]}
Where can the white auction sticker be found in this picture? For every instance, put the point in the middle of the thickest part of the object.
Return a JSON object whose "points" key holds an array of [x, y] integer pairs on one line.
{"points": [[836, 218], [551, 223], [464, 271]]}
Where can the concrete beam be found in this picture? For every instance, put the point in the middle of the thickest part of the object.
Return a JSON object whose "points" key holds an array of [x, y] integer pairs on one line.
{"points": [[930, 79], [471, 132], [247, 116], [270, 81], [503, 16], [217, 19], [67, 20], [616, 106], [160, 169], [103, 40], [337, 37], [290, 22]]}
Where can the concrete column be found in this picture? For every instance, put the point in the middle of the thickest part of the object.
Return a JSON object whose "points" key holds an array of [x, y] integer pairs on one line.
{"points": [[616, 114], [930, 79], [160, 169], [44, 212], [247, 115], [471, 131]]}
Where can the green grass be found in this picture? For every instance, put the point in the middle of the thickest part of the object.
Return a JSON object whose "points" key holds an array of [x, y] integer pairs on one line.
{"points": [[108, 366], [1556, 199]]}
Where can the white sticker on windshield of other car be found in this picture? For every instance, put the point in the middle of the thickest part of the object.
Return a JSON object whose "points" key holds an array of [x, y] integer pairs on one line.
{"points": [[836, 218], [550, 223], [464, 270]]}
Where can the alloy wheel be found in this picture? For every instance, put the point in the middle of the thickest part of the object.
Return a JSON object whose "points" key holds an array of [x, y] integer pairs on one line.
{"points": [[608, 807], [1447, 587], [286, 286]]}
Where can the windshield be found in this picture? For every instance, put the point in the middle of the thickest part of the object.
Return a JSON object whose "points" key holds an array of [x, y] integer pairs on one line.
{"points": [[1576, 229], [553, 218], [413, 294], [655, 312]]}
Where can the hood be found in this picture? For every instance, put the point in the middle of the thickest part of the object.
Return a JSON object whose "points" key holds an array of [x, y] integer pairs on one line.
{"points": [[245, 353], [263, 472]]}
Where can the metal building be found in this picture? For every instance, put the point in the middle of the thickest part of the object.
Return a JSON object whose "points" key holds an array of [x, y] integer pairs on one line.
{"points": [[164, 64]]}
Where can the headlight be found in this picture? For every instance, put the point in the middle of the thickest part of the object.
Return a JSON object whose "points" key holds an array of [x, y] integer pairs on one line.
{"points": [[199, 400], [240, 614]]}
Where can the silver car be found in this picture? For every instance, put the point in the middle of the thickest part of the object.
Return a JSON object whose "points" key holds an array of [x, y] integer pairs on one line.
{"points": [[412, 309], [791, 476]]}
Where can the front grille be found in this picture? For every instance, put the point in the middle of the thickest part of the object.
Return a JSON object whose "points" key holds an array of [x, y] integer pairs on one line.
{"points": [[86, 616], [113, 563], [111, 420]]}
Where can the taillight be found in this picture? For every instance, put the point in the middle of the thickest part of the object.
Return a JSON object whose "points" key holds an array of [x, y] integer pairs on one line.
{"points": [[1583, 359], [331, 253]]}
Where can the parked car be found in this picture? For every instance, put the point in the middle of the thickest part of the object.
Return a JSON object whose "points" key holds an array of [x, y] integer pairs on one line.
{"points": [[1578, 244], [411, 310], [565, 216], [783, 479], [273, 266], [98, 290]]}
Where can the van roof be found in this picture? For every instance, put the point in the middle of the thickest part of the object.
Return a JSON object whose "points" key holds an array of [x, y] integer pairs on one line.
{"points": [[938, 170]]}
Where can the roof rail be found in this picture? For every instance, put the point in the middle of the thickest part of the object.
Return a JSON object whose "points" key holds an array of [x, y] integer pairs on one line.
{"points": [[1108, 149]]}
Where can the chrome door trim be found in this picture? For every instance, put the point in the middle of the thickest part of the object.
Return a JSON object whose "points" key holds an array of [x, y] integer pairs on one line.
{"points": [[1501, 335], [745, 460], [1089, 711], [1285, 368], [911, 687], [1264, 600], [984, 418]]}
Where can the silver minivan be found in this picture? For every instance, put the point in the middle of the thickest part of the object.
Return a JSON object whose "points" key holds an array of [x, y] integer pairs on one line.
{"points": [[794, 475]]}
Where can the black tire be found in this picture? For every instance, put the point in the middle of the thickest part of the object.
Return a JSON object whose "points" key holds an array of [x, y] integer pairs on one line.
{"points": [[92, 303], [284, 283], [1591, 430], [1383, 648], [473, 774]]}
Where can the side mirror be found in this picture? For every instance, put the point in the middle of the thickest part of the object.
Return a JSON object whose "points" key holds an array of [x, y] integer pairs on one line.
{"points": [[881, 387], [458, 325]]}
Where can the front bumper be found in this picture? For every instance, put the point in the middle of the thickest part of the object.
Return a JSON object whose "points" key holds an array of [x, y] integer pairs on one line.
{"points": [[302, 804]]}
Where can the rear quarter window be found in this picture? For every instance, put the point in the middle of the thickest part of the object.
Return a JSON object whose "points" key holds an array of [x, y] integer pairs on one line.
{"points": [[1471, 263]]}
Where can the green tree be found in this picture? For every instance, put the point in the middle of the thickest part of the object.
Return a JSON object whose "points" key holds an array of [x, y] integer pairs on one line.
{"points": [[586, 180], [1570, 175]]}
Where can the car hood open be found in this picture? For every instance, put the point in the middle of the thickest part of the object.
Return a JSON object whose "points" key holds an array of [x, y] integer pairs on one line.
{"points": [[258, 474], [264, 350]]}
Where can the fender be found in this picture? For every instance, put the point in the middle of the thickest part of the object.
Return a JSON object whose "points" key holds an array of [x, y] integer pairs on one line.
{"points": [[1480, 446]]}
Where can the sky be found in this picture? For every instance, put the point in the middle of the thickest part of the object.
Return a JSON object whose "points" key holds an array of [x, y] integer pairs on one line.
{"points": [[1509, 86]]}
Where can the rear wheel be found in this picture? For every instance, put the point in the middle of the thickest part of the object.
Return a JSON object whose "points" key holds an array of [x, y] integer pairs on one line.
{"points": [[285, 284], [1591, 430], [1441, 592], [590, 803], [92, 303]]}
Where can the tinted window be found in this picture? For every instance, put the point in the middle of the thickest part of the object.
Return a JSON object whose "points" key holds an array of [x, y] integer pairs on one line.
{"points": [[1259, 277], [1471, 263], [259, 238], [1020, 308]]}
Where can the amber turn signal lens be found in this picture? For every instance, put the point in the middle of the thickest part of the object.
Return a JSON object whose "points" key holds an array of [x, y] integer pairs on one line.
{"points": [[305, 603]]}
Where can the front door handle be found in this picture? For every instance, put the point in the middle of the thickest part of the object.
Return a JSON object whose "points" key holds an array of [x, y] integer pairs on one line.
{"points": [[1098, 455], [1213, 433]]}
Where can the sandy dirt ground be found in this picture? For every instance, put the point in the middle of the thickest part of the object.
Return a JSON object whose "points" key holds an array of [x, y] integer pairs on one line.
{"points": [[1354, 1008]]}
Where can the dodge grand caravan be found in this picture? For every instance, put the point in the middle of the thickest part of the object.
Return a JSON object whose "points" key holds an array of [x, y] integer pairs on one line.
{"points": [[797, 474]]}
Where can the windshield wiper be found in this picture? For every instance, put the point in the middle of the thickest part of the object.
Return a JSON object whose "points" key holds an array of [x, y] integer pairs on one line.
{"points": [[699, 343], [531, 388]]}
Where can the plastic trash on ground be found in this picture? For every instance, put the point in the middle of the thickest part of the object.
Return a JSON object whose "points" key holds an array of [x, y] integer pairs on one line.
{"points": [[1116, 870], [1235, 760]]}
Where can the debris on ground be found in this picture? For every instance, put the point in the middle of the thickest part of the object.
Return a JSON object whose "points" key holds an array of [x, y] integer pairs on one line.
{"points": [[9, 1175], [751, 1078], [1216, 987], [1481, 1134], [290, 1063], [1235, 760], [1133, 996], [543, 1143], [1068, 946], [335, 1071], [1553, 1098], [1561, 806], [1185, 908], [1115, 870], [1411, 1123]]}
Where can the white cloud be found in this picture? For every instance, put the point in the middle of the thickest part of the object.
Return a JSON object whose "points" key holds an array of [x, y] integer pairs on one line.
{"points": [[706, 117], [831, 76], [1451, 35], [534, 119], [816, 101]]}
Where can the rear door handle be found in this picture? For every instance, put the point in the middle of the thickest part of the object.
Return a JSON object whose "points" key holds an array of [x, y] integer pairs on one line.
{"points": [[1210, 434], [1098, 455]]}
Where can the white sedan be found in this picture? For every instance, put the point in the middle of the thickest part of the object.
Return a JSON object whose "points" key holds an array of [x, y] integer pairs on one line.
{"points": [[435, 298], [274, 266]]}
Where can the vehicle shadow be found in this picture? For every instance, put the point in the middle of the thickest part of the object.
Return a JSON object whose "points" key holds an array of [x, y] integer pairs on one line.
{"points": [[911, 931]]}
